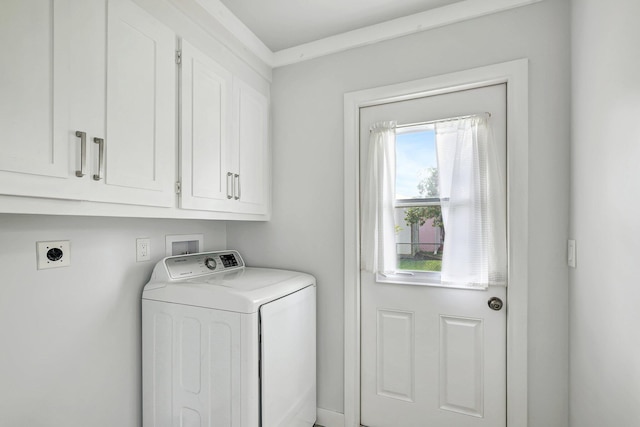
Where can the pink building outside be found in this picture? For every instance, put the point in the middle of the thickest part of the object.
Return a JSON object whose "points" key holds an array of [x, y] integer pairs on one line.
{"points": [[411, 239]]}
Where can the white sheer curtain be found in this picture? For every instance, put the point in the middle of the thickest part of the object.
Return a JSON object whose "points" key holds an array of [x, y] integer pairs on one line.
{"points": [[377, 200], [473, 204]]}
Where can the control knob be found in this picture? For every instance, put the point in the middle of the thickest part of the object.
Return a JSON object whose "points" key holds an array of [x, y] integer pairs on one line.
{"points": [[210, 263]]}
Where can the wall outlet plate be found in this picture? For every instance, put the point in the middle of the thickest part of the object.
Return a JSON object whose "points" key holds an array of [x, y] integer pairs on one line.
{"points": [[571, 253], [53, 254], [143, 250]]}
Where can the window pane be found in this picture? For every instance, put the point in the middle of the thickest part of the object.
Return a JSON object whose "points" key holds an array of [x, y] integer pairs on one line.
{"points": [[419, 231], [416, 164], [419, 238]]}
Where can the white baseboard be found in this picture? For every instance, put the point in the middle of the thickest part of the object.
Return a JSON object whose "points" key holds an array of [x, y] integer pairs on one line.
{"points": [[328, 418]]}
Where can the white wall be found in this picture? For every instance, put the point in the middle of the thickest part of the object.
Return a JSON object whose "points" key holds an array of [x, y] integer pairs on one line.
{"points": [[605, 349], [70, 337], [306, 231]]}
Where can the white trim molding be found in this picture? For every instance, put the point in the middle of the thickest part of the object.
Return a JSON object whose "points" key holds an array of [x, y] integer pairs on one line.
{"points": [[515, 75], [423, 21], [328, 418], [240, 31]]}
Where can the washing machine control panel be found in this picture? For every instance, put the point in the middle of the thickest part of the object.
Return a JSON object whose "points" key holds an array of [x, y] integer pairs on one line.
{"points": [[194, 265]]}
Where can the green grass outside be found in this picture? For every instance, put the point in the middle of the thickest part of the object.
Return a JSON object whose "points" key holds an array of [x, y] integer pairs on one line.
{"points": [[420, 265]]}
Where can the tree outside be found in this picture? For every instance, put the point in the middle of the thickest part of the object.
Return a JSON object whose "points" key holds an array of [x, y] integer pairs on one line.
{"points": [[416, 217]]}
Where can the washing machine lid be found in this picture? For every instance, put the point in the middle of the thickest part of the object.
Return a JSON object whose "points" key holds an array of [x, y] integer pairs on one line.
{"points": [[196, 280]]}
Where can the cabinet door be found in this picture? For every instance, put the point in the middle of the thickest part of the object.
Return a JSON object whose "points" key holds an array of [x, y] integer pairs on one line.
{"points": [[34, 135], [88, 75], [139, 162], [205, 133], [252, 176]]}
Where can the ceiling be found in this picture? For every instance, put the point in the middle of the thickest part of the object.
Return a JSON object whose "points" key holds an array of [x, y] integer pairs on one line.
{"points": [[281, 24]]}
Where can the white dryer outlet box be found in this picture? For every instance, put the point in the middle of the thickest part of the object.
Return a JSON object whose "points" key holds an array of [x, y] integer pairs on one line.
{"points": [[53, 254], [182, 244]]}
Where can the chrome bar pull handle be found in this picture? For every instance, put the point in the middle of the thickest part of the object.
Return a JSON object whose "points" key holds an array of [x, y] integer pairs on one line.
{"points": [[236, 186], [229, 183], [83, 153], [100, 143]]}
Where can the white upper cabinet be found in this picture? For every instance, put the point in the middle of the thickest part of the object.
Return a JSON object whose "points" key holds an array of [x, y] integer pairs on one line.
{"points": [[33, 105], [250, 154], [62, 135], [139, 147], [88, 112], [205, 132], [224, 139]]}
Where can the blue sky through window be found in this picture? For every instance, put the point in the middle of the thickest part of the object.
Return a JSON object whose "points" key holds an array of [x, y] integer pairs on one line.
{"points": [[415, 154]]}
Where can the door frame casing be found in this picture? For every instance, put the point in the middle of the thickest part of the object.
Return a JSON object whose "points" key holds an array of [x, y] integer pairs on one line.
{"points": [[515, 75]]}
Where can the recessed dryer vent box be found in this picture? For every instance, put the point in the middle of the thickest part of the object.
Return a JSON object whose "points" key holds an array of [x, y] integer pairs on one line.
{"points": [[182, 244]]}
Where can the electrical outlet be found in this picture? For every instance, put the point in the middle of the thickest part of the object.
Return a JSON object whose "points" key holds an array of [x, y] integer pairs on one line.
{"points": [[571, 253], [143, 250], [53, 254]]}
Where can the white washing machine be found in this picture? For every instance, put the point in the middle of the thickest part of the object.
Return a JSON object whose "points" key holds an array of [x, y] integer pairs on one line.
{"points": [[225, 345]]}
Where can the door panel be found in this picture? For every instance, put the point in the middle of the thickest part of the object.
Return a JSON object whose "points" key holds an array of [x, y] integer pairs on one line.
{"points": [[132, 94], [34, 115], [140, 136], [395, 354], [206, 135], [461, 354], [209, 125], [433, 355], [441, 336], [252, 183]]}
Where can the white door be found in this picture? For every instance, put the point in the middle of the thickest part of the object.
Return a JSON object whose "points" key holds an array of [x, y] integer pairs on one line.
{"points": [[433, 355], [205, 132]]}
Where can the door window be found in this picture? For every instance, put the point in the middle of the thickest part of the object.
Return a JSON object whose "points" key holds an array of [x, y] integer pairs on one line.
{"points": [[434, 202], [418, 215]]}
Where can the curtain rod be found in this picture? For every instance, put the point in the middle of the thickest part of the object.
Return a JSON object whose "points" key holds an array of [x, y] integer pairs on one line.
{"points": [[442, 120]]}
